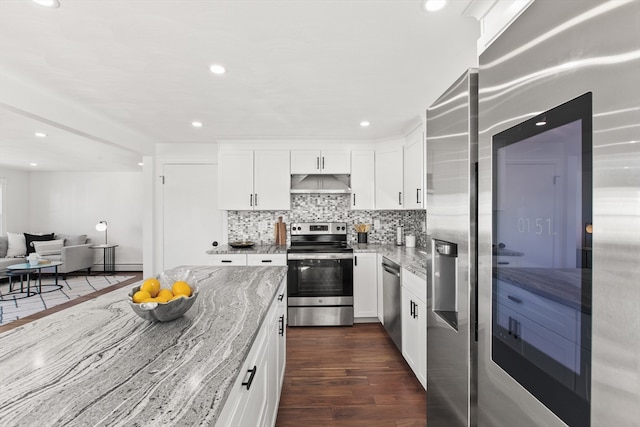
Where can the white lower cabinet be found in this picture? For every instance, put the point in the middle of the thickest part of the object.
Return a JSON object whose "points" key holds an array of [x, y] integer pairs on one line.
{"points": [[229, 259], [365, 285], [414, 324], [255, 394], [266, 259], [249, 259]]}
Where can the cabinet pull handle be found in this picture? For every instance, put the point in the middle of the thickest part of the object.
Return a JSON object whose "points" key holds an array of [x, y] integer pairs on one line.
{"points": [[317, 162], [418, 195], [251, 200], [415, 310], [250, 380], [266, 260], [226, 260], [514, 299], [355, 260], [280, 297], [516, 325], [503, 262], [281, 321], [510, 322], [322, 162], [255, 199], [411, 308], [400, 197], [354, 199]]}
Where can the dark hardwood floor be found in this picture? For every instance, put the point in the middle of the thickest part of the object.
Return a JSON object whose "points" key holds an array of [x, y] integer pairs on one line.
{"points": [[348, 376]]}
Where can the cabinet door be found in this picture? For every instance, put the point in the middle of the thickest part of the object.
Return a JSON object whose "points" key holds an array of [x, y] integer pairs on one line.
{"points": [[305, 161], [272, 180], [414, 334], [413, 171], [389, 179], [365, 285], [363, 179], [335, 161], [236, 180]]}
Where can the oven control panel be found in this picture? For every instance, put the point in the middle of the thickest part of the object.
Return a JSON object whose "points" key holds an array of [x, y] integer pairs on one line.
{"points": [[318, 228]]}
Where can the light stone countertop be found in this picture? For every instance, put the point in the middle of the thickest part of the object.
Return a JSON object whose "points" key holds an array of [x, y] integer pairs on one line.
{"points": [[413, 259], [98, 363], [256, 249]]}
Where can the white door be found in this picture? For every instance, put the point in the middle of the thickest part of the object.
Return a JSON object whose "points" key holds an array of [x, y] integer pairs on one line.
{"points": [[191, 219]]}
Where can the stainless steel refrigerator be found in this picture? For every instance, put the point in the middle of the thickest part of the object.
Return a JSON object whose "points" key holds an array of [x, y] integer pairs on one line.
{"points": [[558, 226]]}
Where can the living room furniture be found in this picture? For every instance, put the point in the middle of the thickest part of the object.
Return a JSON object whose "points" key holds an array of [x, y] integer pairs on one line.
{"points": [[75, 254], [28, 269], [108, 257]]}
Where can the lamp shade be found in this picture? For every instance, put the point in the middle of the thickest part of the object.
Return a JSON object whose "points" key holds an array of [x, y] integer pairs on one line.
{"points": [[101, 226]]}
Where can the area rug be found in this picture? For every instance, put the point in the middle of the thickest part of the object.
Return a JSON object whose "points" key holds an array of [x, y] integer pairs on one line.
{"points": [[13, 308]]}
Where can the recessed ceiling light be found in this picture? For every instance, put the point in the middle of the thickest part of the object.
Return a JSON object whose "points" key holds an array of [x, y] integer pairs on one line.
{"points": [[217, 69], [47, 3], [542, 121], [364, 123], [196, 124], [433, 5], [41, 134], [33, 164]]}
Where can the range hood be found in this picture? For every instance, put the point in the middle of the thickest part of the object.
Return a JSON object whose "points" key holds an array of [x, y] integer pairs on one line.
{"points": [[309, 184]]}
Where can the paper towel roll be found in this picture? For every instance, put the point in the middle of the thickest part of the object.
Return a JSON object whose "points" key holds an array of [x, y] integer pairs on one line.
{"points": [[399, 236]]}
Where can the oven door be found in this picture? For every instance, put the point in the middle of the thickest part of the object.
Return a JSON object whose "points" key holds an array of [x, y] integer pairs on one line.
{"points": [[320, 275]]}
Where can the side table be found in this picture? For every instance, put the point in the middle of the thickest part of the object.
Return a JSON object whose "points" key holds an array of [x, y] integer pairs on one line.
{"points": [[108, 257], [19, 270]]}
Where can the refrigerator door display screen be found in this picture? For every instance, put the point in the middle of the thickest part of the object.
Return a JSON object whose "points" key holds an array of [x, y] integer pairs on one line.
{"points": [[541, 287]]}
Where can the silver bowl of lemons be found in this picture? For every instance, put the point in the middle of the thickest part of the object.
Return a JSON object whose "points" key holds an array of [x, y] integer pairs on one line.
{"points": [[166, 297]]}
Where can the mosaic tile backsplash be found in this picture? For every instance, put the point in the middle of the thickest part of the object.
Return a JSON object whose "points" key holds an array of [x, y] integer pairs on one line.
{"points": [[258, 226]]}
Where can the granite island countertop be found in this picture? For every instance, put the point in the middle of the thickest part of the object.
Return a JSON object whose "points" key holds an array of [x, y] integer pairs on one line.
{"points": [[98, 363]]}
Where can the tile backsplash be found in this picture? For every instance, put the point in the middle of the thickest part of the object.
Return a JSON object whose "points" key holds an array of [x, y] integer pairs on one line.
{"points": [[258, 226]]}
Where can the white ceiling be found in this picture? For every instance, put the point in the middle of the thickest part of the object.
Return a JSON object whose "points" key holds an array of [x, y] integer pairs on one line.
{"points": [[109, 79]]}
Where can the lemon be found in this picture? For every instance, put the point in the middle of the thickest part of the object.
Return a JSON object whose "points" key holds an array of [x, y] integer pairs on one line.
{"points": [[140, 296], [165, 294], [178, 297], [151, 285], [181, 287]]}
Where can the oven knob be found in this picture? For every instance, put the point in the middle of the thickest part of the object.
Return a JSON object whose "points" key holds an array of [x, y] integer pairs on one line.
{"points": [[320, 301]]}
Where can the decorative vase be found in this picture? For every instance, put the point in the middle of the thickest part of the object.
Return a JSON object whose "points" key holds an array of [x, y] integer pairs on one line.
{"points": [[362, 237]]}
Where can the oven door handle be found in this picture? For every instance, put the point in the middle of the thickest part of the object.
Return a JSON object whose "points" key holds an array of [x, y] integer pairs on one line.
{"points": [[312, 256]]}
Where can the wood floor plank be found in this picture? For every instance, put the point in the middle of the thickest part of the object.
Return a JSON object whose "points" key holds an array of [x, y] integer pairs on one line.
{"points": [[348, 377]]}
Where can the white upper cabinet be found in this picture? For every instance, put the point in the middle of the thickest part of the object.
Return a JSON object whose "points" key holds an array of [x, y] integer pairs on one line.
{"points": [[389, 177], [272, 180], [414, 175], [363, 187], [255, 180], [317, 161]]}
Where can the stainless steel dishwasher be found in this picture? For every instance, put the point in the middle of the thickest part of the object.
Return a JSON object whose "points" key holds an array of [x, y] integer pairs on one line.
{"points": [[392, 300]]}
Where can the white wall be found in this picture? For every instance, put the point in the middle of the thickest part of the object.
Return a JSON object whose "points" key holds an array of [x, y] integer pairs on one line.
{"points": [[74, 202], [16, 209]]}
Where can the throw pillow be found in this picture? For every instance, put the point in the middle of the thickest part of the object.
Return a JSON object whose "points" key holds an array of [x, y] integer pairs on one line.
{"points": [[51, 247], [17, 246], [73, 239], [30, 238]]}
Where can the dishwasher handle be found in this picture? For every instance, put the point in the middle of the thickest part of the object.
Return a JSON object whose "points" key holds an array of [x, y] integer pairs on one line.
{"points": [[390, 269]]}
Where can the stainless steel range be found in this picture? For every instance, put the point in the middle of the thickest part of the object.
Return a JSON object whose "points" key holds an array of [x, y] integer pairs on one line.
{"points": [[320, 280]]}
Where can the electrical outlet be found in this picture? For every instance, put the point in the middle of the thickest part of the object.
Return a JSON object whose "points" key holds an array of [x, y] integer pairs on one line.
{"points": [[424, 226], [376, 223]]}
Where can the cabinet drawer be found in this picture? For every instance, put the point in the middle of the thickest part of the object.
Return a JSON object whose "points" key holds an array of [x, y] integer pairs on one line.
{"points": [[414, 284], [266, 259], [229, 259], [559, 318]]}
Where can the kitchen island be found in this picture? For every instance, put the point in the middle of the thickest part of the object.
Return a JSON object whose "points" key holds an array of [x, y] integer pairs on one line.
{"points": [[98, 363]]}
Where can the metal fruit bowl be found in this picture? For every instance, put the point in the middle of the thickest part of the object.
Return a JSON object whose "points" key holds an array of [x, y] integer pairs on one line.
{"points": [[165, 312]]}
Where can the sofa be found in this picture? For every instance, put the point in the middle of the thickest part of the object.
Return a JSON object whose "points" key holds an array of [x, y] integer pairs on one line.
{"points": [[73, 250]]}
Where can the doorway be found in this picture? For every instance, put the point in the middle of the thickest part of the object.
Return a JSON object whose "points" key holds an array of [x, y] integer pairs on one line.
{"points": [[191, 218]]}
